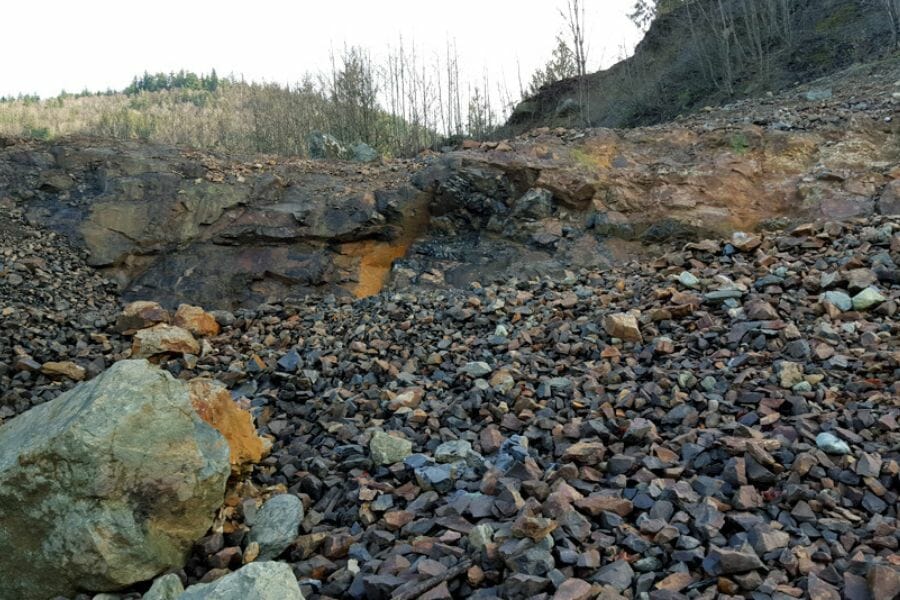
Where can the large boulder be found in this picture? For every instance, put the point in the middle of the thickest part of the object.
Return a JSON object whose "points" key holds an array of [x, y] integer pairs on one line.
{"points": [[256, 581], [326, 146], [105, 486]]}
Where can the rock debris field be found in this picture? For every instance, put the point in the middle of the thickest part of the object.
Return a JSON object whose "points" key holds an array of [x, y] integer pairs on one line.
{"points": [[721, 422]]}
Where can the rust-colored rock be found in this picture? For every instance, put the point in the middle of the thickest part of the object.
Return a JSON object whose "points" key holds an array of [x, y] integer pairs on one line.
{"points": [[594, 505], [587, 453], [140, 315], [196, 320], [214, 405], [163, 339]]}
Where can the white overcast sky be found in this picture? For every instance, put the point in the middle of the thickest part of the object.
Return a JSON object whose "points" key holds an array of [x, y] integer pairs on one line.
{"points": [[50, 45]]}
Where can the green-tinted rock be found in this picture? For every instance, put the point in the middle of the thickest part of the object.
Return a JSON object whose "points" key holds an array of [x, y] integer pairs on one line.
{"points": [[167, 587], [687, 279], [105, 486], [388, 449], [480, 536], [256, 581], [867, 298]]}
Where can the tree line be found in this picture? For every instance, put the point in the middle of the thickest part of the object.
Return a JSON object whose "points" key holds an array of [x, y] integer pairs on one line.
{"points": [[405, 103]]}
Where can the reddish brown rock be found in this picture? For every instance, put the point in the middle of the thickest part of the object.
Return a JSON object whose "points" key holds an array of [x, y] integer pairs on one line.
{"points": [[594, 505], [586, 453], [141, 314], [573, 589], [196, 320]]}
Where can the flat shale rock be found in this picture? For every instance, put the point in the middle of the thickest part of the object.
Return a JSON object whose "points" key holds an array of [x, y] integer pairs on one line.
{"points": [[107, 485]]}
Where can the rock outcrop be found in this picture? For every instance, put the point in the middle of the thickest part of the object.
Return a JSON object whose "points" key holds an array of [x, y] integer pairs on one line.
{"points": [[105, 486], [182, 227]]}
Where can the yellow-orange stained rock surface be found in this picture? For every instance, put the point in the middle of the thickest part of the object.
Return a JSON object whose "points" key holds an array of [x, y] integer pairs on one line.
{"points": [[196, 320], [375, 258], [214, 405]]}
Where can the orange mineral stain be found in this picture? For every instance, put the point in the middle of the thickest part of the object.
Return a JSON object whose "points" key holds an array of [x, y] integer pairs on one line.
{"points": [[376, 257]]}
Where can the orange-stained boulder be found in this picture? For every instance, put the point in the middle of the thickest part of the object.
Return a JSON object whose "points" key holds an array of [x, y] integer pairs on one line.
{"points": [[214, 405], [196, 320]]}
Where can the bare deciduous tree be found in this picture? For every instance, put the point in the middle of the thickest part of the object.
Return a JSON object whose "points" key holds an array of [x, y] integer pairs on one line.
{"points": [[574, 16]]}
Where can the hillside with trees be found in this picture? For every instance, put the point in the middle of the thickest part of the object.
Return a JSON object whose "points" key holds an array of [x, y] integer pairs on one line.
{"points": [[699, 53]]}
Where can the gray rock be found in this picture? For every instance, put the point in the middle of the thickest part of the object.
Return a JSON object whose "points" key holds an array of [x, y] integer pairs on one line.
{"points": [[528, 557], [256, 581], [688, 280], [476, 369], [325, 146], [868, 465], [719, 296], [536, 203], [831, 444], [618, 574], [452, 451], [364, 153], [818, 95], [458, 450], [107, 485], [167, 587], [839, 299], [726, 561], [438, 478], [388, 449], [276, 525], [766, 539]]}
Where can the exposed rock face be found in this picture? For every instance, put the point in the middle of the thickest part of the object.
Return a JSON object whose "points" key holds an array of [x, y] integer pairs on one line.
{"points": [[182, 227], [107, 485]]}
